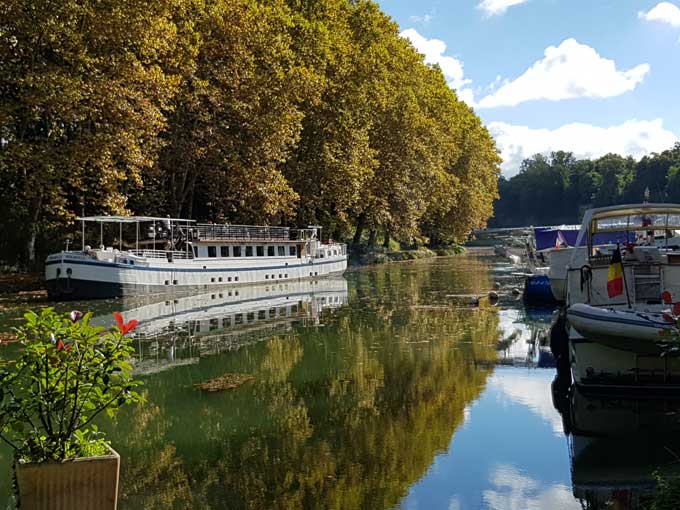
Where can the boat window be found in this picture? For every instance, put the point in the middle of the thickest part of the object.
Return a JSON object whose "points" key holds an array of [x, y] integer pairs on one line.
{"points": [[224, 251], [270, 251], [292, 250], [282, 251], [249, 251], [260, 251], [236, 251], [212, 251], [195, 251]]}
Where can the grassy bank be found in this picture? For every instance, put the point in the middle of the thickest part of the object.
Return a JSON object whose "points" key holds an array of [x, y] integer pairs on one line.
{"points": [[365, 257]]}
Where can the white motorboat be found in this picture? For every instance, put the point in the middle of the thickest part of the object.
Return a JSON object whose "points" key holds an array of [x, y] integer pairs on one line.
{"points": [[614, 340], [557, 271], [180, 255]]}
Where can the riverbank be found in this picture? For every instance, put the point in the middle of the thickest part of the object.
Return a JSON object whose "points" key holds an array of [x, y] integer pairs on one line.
{"points": [[383, 256]]}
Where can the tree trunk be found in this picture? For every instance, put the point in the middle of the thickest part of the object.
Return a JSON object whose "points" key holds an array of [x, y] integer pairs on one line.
{"points": [[33, 233], [361, 223], [386, 240], [189, 201], [371, 238]]}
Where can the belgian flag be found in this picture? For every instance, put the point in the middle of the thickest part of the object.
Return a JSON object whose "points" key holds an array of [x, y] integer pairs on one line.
{"points": [[615, 275]]}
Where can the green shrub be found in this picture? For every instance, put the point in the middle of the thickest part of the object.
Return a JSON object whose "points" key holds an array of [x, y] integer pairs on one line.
{"points": [[68, 373]]}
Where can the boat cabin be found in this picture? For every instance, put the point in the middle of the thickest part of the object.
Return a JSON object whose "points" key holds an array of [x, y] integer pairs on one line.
{"points": [[646, 235]]}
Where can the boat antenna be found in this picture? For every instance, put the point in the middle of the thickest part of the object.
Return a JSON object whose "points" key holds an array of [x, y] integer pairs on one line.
{"points": [[82, 222], [623, 274]]}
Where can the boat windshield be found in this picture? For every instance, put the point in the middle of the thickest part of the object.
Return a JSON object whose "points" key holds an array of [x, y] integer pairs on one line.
{"points": [[634, 222]]}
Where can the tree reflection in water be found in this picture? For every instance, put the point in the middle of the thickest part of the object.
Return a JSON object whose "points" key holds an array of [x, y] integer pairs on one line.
{"points": [[347, 414]]}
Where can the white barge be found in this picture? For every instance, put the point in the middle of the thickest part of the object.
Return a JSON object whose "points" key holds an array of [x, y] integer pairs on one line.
{"points": [[181, 255]]}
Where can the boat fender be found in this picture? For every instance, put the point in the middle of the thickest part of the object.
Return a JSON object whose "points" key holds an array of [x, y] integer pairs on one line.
{"points": [[558, 336], [586, 276]]}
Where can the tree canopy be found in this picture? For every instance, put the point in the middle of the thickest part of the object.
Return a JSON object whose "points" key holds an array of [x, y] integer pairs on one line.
{"points": [[558, 188], [250, 111]]}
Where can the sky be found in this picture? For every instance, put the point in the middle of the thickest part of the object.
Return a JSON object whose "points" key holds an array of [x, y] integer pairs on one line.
{"points": [[585, 76]]}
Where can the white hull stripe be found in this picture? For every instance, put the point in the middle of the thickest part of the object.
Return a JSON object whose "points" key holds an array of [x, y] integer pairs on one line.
{"points": [[190, 269]]}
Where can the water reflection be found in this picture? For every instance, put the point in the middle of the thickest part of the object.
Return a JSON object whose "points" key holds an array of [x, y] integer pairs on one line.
{"points": [[346, 411], [180, 330], [385, 390], [617, 444]]}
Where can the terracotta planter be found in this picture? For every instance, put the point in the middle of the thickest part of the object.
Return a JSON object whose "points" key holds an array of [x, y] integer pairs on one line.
{"points": [[86, 483]]}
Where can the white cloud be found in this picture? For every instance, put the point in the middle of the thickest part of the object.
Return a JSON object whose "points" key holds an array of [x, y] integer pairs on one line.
{"points": [[664, 12], [567, 71], [493, 7], [522, 389], [434, 49], [512, 490], [632, 138]]}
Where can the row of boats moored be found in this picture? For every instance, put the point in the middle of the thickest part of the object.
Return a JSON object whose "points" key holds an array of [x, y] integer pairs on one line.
{"points": [[618, 278]]}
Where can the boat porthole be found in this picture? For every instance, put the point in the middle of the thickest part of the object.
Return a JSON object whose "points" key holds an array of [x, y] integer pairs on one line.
{"points": [[58, 272], [69, 271]]}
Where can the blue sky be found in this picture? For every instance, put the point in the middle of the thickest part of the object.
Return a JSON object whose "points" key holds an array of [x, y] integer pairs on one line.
{"points": [[589, 76]]}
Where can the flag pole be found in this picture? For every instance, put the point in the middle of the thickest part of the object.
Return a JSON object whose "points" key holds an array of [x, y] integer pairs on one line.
{"points": [[623, 274]]}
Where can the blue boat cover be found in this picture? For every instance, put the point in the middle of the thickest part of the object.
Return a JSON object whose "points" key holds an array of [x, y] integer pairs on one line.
{"points": [[546, 237]]}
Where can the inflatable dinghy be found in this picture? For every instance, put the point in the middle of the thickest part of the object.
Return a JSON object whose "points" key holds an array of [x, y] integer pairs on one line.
{"points": [[628, 330]]}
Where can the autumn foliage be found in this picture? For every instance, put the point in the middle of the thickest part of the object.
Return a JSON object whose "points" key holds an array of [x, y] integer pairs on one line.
{"points": [[259, 111]]}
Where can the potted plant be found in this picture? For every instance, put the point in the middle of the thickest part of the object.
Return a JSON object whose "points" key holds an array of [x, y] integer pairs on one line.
{"points": [[68, 373]]}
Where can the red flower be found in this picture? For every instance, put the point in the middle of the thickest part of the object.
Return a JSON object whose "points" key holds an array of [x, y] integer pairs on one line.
{"points": [[60, 346], [676, 309], [667, 318], [124, 328], [666, 297]]}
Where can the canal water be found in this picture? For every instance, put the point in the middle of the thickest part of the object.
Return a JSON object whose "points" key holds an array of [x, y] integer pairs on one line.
{"points": [[385, 389]]}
